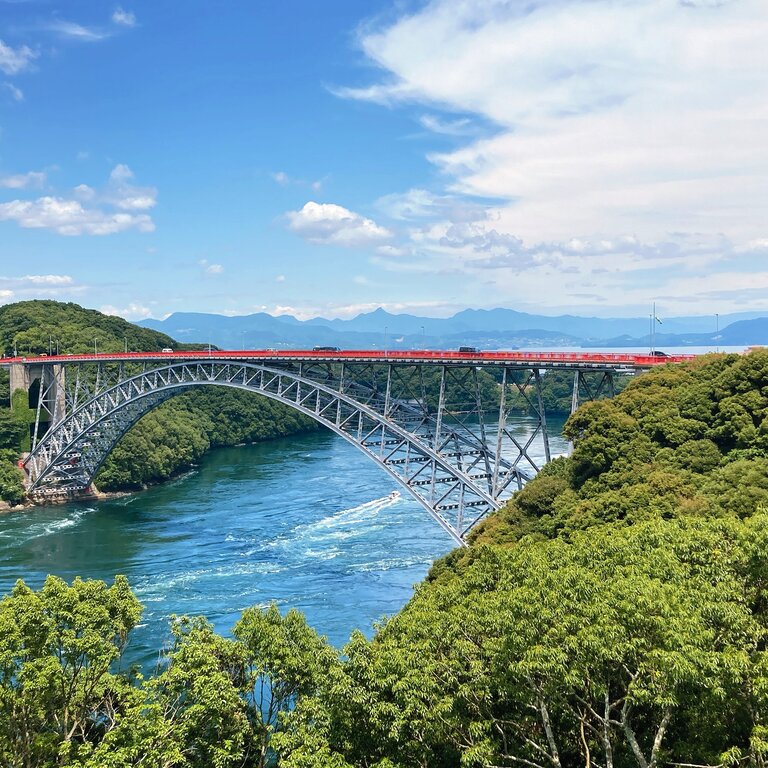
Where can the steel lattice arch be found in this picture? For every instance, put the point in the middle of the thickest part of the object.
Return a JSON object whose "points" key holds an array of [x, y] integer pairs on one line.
{"points": [[453, 450]]}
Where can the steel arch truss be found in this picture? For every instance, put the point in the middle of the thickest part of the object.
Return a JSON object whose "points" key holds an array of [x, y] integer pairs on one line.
{"points": [[442, 454]]}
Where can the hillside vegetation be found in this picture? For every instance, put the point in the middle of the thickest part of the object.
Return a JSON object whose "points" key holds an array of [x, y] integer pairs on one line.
{"points": [[613, 615], [165, 441]]}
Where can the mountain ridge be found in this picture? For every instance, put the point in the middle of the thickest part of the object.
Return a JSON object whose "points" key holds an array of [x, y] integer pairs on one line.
{"points": [[490, 328]]}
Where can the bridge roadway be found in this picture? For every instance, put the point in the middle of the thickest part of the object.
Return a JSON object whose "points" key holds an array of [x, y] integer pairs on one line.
{"points": [[580, 360], [427, 417]]}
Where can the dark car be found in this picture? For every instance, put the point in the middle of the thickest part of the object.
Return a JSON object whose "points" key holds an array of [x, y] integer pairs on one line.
{"points": [[470, 350], [326, 349]]}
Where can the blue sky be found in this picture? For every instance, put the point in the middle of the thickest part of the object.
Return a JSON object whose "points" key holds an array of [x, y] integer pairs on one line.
{"points": [[556, 155]]}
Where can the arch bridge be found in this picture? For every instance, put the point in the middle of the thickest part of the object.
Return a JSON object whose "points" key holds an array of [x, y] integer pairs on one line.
{"points": [[437, 422]]}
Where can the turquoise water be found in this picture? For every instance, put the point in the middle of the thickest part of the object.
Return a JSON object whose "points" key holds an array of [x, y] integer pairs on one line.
{"points": [[302, 521]]}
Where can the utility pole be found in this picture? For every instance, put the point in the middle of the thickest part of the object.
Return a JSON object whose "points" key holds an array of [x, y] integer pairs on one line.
{"points": [[717, 331], [650, 333]]}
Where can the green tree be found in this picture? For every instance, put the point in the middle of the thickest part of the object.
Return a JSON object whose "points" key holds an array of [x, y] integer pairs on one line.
{"points": [[57, 645]]}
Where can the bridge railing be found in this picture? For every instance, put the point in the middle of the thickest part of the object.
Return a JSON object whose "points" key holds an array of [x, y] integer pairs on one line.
{"points": [[637, 360]]}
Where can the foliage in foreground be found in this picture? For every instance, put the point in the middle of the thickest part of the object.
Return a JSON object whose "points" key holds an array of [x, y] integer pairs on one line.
{"points": [[630, 646], [213, 701]]}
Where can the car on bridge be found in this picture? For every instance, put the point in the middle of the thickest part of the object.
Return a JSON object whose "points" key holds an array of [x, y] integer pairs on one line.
{"points": [[469, 350], [326, 349]]}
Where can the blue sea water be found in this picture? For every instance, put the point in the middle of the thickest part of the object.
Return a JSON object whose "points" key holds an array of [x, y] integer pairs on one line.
{"points": [[305, 522]]}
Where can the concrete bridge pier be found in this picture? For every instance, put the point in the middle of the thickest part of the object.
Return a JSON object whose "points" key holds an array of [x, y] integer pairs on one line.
{"points": [[45, 388]]}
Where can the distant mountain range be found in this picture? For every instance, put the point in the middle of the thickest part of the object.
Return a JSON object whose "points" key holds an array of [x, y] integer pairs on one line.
{"points": [[489, 329]]}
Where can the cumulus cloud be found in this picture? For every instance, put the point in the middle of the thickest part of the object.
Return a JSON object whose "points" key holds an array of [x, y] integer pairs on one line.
{"points": [[23, 180], [210, 269], [333, 310], [87, 212], [330, 224], [15, 288], [69, 217], [38, 280], [125, 195], [133, 311], [15, 60], [285, 180], [123, 18], [47, 279]]}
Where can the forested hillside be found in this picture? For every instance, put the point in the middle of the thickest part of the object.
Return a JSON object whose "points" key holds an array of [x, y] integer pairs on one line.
{"points": [[165, 441], [614, 614]]}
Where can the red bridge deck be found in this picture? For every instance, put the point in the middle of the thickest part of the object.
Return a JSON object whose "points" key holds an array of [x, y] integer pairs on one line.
{"points": [[541, 359]]}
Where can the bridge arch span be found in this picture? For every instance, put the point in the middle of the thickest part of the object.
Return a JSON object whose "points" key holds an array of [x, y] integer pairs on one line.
{"points": [[452, 475]]}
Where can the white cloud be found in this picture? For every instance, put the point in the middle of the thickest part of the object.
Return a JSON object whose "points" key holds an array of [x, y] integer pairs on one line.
{"points": [[210, 269], [460, 127], [74, 31], [38, 280], [23, 180], [69, 217], [15, 60], [37, 286], [281, 177], [127, 196], [392, 250], [330, 224], [280, 279], [84, 192], [47, 279], [89, 213], [134, 311], [123, 18], [612, 116], [16, 93], [333, 310], [284, 180]]}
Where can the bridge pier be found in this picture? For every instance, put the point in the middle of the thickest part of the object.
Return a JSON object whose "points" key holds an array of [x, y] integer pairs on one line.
{"points": [[44, 389]]}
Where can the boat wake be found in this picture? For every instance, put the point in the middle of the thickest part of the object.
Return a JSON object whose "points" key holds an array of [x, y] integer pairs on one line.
{"points": [[346, 523]]}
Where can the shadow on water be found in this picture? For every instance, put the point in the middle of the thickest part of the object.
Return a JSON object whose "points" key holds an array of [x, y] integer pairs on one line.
{"points": [[305, 522]]}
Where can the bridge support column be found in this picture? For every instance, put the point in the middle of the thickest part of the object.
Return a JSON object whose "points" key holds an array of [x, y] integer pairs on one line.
{"points": [[542, 416], [51, 401], [19, 377]]}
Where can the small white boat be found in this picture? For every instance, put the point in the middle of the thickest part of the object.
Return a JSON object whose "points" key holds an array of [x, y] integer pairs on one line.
{"points": [[394, 495]]}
